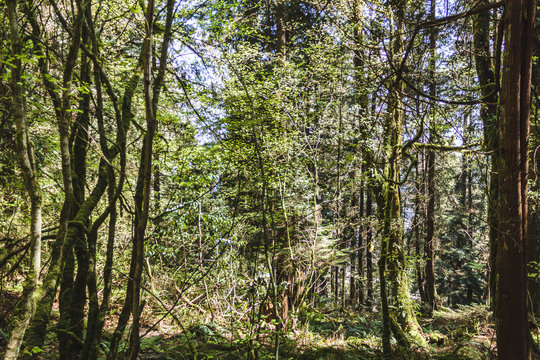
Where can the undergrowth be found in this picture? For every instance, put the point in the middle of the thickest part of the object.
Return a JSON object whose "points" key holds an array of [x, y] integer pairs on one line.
{"points": [[464, 333]]}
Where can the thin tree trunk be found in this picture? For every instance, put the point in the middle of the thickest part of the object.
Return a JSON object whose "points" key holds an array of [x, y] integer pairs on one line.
{"points": [[77, 301], [64, 117], [123, 318], [96, 313], [352, 275], [418, 228], [361, 231], [26, 308], [429, 248], [352, 283], [465, 202], [142, 194], [488, 113], [369, 251], [361, 99], [470, 244], [47, 292]]}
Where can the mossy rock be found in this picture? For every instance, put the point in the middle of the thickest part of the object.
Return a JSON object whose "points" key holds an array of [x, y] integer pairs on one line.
{"points": [[438, 339], [472, 351]]}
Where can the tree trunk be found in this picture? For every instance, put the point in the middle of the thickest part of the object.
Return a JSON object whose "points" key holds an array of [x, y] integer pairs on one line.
{"points": [[533, 248], [533, 238], [361, 230], [281, 33], [488, 113], [465, 201], [417, 223], [511, 296], [369, 251], [26, 307], [429, 248], [352, 283], [126, 115], [392, 252], [142, 194], [533, 244], [77, 300], [470, 210], [361, 100]]}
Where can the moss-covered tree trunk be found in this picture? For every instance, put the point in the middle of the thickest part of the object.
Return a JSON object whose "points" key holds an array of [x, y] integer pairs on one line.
{"points": [[73, 289], [97, 312], [392, 263], [47, 292], [152, 90], [65, 336], [361, 245], [361, 99], [369, 249], [418, 226], [142, 192], [486, 72], [26, 308], [126, 118], [429, 244]]}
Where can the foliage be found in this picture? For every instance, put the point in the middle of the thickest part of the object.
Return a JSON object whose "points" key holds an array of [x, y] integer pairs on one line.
{"points": [[268, 187]]}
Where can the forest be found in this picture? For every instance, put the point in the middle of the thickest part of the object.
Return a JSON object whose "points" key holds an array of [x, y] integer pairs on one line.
{"points": [[277, 179]]}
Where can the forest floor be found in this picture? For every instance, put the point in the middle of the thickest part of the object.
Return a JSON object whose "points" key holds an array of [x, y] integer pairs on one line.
{"points": [[463, 333]]}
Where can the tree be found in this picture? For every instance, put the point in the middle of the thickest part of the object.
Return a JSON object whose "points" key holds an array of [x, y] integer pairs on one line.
{"points": [[294, 144], [27, 162], [429, 247], [488, 78], [392, 257], [511, 296]]}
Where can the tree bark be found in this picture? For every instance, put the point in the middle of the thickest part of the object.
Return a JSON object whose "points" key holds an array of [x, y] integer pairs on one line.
{"points": [[369, 251], [418, 228], [511, 296], [127, 116], [361, 100], [361, 230], [26, 308], [533, 238], [281, 33], [392, 257], [429, 248], [486, 72], [142, 193]]}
